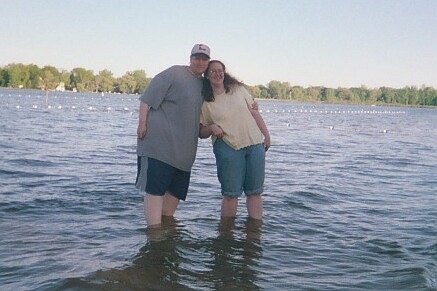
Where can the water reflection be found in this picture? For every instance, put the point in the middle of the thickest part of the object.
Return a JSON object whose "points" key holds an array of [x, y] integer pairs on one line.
{"points": [[158, 261], [236, 258], [155, 267], [172, 259]]}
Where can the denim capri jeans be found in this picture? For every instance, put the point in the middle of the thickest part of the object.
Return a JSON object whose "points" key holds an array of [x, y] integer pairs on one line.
{"points": [[240, 170]]}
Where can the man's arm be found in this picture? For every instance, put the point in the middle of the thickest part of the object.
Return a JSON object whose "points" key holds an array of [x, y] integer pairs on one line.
{"points": [[208, 130], [142, 120]]}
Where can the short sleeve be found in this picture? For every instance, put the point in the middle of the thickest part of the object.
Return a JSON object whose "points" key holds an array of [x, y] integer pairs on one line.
{"points": [[247, 97], [158, 88], [205, 117]]}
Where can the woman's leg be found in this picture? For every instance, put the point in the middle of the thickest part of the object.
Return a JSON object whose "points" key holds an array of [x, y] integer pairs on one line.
{"points": [[254, 205], [230, 172], [229, 206], [254, 180]]}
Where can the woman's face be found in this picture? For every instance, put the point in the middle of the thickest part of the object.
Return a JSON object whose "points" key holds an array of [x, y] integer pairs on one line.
{"points": [[216, 73]]}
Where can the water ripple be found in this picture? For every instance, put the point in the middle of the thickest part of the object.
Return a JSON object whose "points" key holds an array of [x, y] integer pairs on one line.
{"points": [[349, 202]]}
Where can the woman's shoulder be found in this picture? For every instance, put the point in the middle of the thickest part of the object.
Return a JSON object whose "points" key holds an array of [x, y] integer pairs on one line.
{"points": [[240, 89]]}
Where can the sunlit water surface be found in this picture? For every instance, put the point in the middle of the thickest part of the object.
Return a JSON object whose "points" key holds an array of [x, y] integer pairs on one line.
{"points": [[349, 204]]}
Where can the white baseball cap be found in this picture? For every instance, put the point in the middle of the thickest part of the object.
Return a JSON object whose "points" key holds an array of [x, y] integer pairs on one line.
{"points": [[200, 49]]}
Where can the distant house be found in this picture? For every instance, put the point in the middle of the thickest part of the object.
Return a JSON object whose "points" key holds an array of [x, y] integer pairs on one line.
{"points": [[60, 87]]}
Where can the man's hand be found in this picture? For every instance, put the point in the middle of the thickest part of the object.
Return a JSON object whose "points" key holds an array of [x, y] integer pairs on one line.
{"points": [[141, 130]]}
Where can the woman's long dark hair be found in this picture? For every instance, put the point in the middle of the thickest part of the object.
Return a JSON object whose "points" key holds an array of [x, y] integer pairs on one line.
{"points": [[229, 81]]}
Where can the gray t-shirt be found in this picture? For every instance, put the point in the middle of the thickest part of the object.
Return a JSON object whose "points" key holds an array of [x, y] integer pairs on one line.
{"points": [[175, 101]]}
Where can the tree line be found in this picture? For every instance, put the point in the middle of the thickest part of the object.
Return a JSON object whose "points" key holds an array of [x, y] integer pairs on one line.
{"points": [[409, 95], [79, 79], [135, 82]]}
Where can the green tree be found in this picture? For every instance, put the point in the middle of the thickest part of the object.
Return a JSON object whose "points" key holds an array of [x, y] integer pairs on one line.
{"points": [[412, 95], [388, 95], [428, 96], [344, 94], [18, 75], [314, 93], [4, 77], [278, 90], [373, 95], [49, 78], [327, 95], [34, 76], [127, 83], [64, 77], [297, 93], [141, 81], [104, 81], [359, 95], [263, 92], [82, 79], [255, 91]]}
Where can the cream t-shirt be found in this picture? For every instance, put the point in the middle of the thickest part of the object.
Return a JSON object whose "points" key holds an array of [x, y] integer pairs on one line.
{"points": [[231, 112]]}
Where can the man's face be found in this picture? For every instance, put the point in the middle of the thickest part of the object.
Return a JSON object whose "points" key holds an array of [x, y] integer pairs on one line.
{"points": [[199, 63]]}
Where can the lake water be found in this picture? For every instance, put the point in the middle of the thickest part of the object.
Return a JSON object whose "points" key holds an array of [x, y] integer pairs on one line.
{"points": [[350, 202]]}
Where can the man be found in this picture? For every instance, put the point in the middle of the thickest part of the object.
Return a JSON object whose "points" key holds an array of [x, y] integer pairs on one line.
{"points": [[168, 132]]}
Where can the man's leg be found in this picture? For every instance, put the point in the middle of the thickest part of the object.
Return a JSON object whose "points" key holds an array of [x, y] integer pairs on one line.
{"points": [[153, 209], [170, 203]]}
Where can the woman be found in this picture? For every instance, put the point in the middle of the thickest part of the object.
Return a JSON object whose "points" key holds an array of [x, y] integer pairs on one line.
{"points": [[240, 139]]}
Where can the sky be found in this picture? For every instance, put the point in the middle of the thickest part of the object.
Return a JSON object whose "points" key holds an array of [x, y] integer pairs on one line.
{"points": [[331, 43]]}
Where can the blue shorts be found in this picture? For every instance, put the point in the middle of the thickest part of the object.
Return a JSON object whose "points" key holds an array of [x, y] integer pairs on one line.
{"points": [[156, 178], [240, 170]]}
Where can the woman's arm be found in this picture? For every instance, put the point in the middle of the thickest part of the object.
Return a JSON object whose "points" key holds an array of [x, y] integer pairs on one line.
{"points": [[262, 126]]}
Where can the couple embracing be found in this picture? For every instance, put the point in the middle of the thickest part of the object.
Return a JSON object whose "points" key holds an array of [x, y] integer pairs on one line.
{"points": [[183, 103]]}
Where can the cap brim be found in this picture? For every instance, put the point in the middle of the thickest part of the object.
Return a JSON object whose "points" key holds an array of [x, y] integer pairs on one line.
{"points": [[200, 54]]}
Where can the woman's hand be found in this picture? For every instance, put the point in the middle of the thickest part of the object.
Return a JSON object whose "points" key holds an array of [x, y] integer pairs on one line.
{"points": [[216, 130], [254, 106], [267, 143]]}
